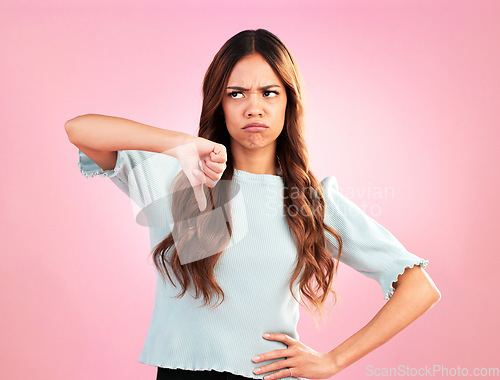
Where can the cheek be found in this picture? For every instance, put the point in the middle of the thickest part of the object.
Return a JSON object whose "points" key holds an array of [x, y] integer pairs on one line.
{"points": [[228, 110]]}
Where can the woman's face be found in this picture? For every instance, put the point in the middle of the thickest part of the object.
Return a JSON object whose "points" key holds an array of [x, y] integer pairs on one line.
{"points": [[254, 93]]}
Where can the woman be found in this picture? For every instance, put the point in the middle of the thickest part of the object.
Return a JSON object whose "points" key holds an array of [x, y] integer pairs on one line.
{"points": [[261, 231]]}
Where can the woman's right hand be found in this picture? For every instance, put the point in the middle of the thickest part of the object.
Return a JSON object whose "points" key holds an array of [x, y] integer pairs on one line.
{"points": [[203, 161]]}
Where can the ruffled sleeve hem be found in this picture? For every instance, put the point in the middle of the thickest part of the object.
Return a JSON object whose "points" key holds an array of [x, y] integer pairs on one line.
{"points": [[389, 293], [90, 169]]}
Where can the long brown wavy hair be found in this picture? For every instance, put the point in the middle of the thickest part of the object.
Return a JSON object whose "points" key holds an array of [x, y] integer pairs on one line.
{"points": [[203, 233]]}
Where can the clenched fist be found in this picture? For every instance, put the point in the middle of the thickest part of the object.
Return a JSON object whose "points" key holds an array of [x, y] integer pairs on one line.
{"points": [[203, 161]]}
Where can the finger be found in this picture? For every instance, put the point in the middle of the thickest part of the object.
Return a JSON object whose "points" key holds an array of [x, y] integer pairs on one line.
{"points": [[199, 194], [285, 372], [213, 170], [218, 156], [212, 175], [274, 354], [202, 176], [281, 337], [277, 365], [216, 167], [198, 190]]}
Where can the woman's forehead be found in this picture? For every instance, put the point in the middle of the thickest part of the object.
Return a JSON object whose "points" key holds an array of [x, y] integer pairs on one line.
{"points": [[253, 71]]}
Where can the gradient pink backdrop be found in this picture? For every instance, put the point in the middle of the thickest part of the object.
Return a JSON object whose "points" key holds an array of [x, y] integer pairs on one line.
{"points": [[399, 96]]}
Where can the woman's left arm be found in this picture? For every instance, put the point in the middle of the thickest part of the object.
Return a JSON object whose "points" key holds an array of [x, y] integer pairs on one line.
{"points": [[414, 294], [372, 250]]}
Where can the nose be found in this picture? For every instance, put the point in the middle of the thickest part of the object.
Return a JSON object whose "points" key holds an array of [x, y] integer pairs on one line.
{"points": [[254, 106]]}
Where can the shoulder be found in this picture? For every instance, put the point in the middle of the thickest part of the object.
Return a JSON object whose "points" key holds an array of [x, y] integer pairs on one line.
{"points": [[330, 183], [330, 188]]}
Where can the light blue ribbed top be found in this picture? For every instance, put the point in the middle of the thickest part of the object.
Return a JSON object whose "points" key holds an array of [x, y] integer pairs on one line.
{"points": [[254, 271]]}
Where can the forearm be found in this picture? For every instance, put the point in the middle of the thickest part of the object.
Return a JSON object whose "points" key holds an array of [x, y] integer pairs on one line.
{"points": [[414, 295], [109, 133]]}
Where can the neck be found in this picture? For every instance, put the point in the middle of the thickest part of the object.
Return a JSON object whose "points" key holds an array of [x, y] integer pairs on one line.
{"points": [[256, 161]]}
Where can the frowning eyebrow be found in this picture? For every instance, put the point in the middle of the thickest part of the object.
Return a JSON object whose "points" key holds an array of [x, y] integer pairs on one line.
{"points": [[246, 89]]}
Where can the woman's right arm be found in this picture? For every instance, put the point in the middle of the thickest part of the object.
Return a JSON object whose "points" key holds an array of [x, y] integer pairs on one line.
{"points": [[101, 136]]}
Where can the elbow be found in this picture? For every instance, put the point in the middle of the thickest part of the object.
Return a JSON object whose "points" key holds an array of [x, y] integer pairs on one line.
{"points": [[71, 127], [68, 127], [72, 134], [435, 294], [431, 294], [420, 287], [432, 290]]}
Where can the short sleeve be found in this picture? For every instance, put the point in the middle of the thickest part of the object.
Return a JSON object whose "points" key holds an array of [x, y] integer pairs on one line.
{"points": [[367, 246], [145, 177]]}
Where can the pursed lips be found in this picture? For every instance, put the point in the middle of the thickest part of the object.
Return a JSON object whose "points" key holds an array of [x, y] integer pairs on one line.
{"points": [[260, 125]]}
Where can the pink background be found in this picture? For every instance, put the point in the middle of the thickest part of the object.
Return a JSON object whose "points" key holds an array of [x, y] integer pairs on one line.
{"points": [[399, 96]]}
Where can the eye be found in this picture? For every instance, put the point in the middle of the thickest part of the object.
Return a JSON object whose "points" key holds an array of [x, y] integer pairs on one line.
{"points": [[233, 93], [271, 92]]}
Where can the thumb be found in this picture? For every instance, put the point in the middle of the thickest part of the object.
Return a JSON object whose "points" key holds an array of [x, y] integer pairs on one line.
{"points": [[199, 192]]}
